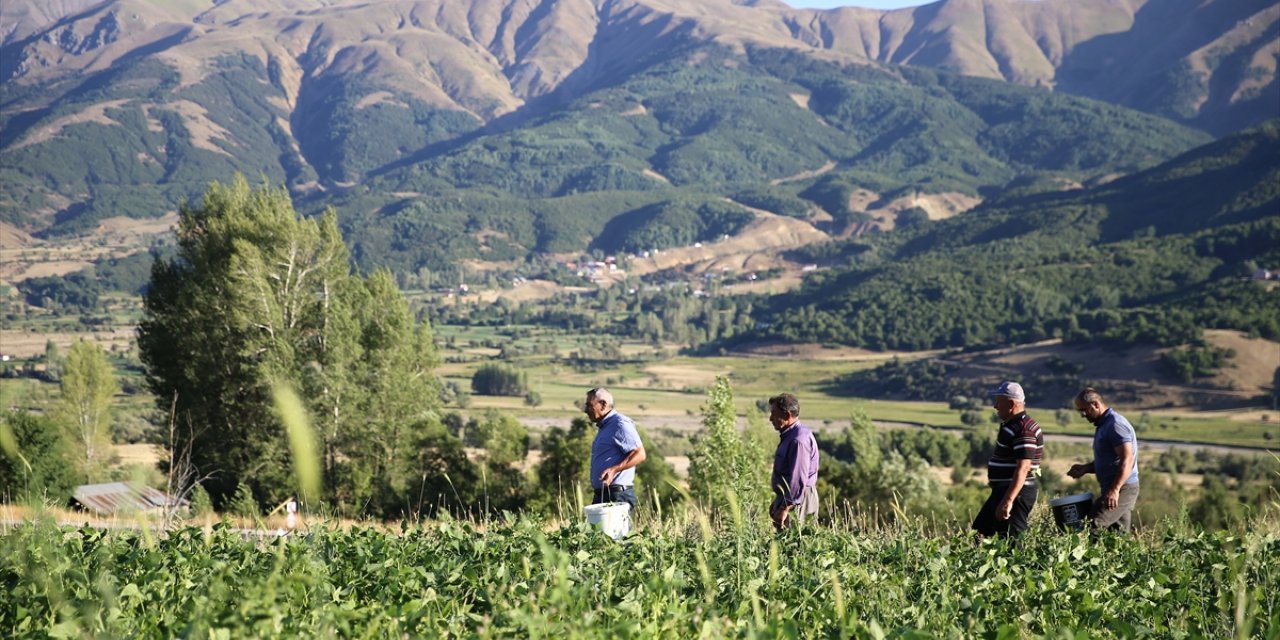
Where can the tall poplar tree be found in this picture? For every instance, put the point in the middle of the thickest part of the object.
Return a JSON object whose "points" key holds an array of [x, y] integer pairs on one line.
{"points": [[257, 296], [723, 461], [84, 408]]}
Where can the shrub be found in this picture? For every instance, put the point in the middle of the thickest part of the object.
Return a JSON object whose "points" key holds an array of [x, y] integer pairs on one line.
{"points": [[499, 380]]}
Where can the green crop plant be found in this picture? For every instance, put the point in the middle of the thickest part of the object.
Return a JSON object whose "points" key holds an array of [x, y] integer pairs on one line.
{"points": [[684, 576]]}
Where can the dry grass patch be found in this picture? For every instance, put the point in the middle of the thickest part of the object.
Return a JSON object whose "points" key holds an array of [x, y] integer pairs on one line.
{"points": [[23, 344], [19, 271], [805, 175], [124, 227], [756, 247], [148, 455], [96, 114], [1253, 368], [12, 238], [679, 376], [816, 352]]}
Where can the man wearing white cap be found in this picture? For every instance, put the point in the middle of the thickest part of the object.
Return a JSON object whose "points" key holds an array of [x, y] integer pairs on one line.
{"points": [[1013, 467]]}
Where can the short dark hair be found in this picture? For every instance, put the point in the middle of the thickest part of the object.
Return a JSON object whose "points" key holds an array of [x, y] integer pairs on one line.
{"points": [[787, 402], [1089, 395], [601, 394]]}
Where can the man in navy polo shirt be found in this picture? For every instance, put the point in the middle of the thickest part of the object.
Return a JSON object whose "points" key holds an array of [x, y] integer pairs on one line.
{"points": [[1115, 460], [614, 453]]}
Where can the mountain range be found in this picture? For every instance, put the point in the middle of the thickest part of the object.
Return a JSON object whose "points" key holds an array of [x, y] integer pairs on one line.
{"points": [[496, 128]]}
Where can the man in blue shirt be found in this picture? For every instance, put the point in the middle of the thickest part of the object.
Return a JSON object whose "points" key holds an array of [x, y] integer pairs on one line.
{"points": [[795, 465], [614, 453], [1115, 460]]}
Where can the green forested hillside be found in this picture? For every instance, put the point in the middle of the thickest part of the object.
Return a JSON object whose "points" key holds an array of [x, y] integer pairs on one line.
{"points": [[1152, 256], [712, 124], [694, 121], [156, 143]]}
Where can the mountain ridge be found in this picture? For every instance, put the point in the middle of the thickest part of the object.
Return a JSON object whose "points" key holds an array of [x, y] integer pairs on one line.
{"points": [[128, 106], [1086, 47]]}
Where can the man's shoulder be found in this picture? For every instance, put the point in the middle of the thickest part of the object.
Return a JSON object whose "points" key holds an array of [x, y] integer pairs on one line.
{"points": [[1119, 424], [622, 421], [1025, 422]]}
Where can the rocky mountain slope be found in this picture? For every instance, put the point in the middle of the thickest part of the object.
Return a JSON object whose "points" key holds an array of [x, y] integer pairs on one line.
{"points": [[124, 107]]}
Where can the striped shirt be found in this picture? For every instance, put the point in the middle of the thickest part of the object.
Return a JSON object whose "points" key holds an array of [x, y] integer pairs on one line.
{"points": [[1019, 439]]}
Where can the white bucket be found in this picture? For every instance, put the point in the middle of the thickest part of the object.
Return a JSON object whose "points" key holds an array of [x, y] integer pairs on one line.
{"points": [[613, 518], [1069, 512]]}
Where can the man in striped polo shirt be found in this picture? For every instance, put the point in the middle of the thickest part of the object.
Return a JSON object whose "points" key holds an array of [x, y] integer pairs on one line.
{"points": [[1013, 466]]}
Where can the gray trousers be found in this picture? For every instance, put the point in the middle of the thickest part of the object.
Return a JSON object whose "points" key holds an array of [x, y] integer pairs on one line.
{"points": [[808, 506], [1119, 518]]}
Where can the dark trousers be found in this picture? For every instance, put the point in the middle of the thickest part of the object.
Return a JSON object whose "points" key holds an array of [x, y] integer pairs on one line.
{"points": [[616, 493], [989, 525]]}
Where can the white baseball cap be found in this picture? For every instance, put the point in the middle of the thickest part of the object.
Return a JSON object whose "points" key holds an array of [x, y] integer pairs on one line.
{"points": [[1011, 390]]}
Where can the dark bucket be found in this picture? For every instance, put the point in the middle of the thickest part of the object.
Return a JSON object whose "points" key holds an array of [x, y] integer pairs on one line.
{"points": [[1069, 512]]}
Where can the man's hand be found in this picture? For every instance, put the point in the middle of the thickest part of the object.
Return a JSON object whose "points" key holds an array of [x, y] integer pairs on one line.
{"points": [[1111, 498], [607, 476], [780, 517], [1005, 510], [1077, 470]]}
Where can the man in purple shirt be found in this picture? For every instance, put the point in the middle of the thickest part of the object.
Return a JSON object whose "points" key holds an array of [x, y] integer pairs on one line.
{"points": [[795, 465]]}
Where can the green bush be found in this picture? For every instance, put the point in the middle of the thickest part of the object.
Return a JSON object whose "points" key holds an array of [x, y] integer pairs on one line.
{"points": [[499, 380], [39, 465]]}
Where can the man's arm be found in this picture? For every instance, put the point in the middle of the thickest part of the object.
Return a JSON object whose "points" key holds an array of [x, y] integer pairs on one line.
{"points": [[1112, 496], [1079, 470], [633, 458], [793, 490], [1015, 487]]}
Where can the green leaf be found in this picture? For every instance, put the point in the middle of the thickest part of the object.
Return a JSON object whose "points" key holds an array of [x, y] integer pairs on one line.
{"points": [[67, 629], [130, 591]]}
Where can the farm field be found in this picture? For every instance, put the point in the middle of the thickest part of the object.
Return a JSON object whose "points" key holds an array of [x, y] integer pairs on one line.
{"points": [[662, 389], [673, 578], [669, 391]]}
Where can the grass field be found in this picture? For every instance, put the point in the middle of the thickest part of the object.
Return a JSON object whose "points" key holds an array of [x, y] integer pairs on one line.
{"points": [[667, 389]]}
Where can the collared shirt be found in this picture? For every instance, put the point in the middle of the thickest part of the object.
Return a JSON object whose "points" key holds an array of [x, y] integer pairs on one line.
{"points": [[1019, 438], [1110, 431], [795, 463], [615, 438]]}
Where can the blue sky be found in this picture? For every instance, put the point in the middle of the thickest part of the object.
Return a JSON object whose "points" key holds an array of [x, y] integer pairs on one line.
{"points": [[873, 4]]}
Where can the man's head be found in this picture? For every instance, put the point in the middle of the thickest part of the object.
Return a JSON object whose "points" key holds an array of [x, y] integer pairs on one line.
{"points": [[599, 403], [1008, 399], [784, 410], [1090, 405]]}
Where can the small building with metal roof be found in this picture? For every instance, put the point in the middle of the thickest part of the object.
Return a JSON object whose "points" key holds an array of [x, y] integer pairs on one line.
{"points": [[112, 498]]}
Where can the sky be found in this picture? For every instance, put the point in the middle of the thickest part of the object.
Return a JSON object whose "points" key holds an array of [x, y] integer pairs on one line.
{"points": [[871, 4]]}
